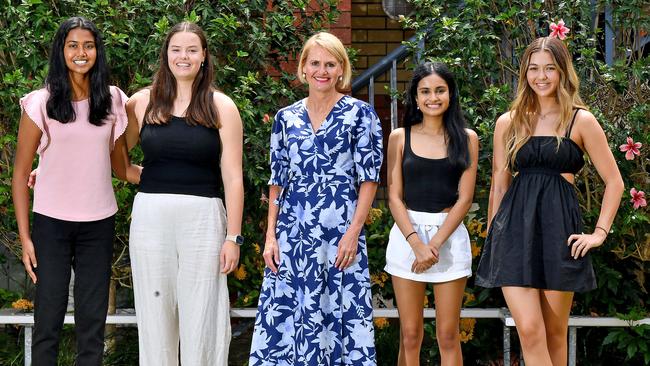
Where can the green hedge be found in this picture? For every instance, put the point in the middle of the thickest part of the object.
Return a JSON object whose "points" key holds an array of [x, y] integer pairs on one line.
{"points": [[480, 39]]}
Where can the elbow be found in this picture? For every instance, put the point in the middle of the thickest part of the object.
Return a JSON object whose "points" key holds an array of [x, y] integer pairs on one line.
{"points": [[394, 202], [464, 203], [617, 186]]}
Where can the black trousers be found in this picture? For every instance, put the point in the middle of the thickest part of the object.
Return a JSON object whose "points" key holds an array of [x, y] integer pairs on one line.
{"points": [[87, 247]]}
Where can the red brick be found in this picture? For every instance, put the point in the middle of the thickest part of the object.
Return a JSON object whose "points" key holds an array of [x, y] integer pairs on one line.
{"points": [[344, 20], [344, 34], [345, 5]]}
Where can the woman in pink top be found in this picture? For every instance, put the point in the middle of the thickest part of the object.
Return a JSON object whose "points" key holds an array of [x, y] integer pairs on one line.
{"points": [[75, 124]]}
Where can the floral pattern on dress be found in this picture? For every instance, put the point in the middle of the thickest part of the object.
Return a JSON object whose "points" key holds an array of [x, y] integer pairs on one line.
{"points": [[310, 312]]}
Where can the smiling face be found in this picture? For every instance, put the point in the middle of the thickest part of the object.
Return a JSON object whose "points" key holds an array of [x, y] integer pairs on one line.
{"points": [[322, 70], [432, 95], [79, 51], [185, 55], [542, 74]]}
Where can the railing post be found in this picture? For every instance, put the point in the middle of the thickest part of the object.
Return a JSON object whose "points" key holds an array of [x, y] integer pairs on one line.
{"points": [[28, 345], [573, 338], [506, 345], [609, 36], [371, 91], [393, 96]]}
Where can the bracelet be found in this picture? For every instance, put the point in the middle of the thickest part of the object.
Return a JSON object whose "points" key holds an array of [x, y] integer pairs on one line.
{"points": [[407, 237], [603, 229]]}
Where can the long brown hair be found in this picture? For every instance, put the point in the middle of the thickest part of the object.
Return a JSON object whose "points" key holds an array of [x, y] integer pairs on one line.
{"points": [[526, 104], [201, 110]]}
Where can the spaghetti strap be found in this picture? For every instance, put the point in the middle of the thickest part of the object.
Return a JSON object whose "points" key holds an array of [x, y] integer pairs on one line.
{"points": [[568, 131]]}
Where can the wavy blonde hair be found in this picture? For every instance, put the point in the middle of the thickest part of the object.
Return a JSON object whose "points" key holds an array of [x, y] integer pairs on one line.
{"points": [[526, 105]]}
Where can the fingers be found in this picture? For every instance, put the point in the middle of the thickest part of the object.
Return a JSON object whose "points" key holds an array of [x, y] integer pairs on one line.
{"points": [[30, 264], [345, 257], [271, 255], [229, 260], [31, 180], [580, 245]]}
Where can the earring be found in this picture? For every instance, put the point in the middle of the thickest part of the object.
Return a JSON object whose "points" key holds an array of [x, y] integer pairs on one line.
{"points": [[304, 76], [340, 78], [417, 107], [201, 63]]}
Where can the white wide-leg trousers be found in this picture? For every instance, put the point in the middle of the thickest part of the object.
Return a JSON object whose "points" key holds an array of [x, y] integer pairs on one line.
{"points": [[180, 293]]}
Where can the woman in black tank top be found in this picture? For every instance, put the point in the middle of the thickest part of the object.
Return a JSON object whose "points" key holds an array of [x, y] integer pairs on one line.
{"points": [[432, 165], [182, 243], [536, 249]]}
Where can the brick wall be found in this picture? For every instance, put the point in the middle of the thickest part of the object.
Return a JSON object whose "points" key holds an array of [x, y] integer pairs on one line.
{"points": [[374, 34]]}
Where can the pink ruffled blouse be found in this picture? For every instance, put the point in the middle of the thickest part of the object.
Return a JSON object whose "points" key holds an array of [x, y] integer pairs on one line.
{"points": [[74, 168]]}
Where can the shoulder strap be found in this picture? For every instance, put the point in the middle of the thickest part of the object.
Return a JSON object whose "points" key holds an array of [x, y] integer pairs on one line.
{"points": [[568, 131], [407, 140]]}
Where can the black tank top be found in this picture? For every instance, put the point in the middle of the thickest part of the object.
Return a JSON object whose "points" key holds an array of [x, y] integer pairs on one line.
{"points": [[180, 159], [430, 185]]}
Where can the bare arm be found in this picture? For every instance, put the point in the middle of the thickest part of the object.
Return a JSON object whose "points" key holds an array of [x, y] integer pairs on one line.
{"points": [[231, 133], [501, 176], [29, 136], [595, 144], [121, 163], [465, 196], [271, 250]]}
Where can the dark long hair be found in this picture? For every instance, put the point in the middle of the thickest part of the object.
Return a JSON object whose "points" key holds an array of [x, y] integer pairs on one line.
{"points": [[453, 120], [59, 104], [201, 110]]}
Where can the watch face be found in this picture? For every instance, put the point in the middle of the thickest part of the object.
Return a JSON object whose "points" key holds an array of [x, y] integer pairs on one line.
{"points": [[239, 240]]}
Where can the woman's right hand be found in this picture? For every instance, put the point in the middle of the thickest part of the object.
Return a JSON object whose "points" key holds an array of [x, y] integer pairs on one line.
{"points": [[425, 256], [271, 252], [29, 258]]}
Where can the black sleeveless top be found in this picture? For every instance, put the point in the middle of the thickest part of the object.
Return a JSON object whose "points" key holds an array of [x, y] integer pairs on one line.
{"points": [[430, 185], [180, 159]]}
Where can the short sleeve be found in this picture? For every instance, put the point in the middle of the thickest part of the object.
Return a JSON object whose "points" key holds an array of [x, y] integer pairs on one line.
{"points": [[368, 145], [279, 154], [118, 113], [34, 105]]}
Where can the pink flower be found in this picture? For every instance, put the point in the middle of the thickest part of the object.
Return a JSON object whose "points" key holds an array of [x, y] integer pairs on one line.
{"points": [[631, 148], [559, 30], [266, 118], [638, 198]]}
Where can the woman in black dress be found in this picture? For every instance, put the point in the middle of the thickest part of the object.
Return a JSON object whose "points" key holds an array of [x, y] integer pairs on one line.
{"points": [[536, 250]]}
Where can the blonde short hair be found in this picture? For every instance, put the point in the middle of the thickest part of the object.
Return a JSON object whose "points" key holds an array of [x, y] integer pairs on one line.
{"points": [[333, 45]]}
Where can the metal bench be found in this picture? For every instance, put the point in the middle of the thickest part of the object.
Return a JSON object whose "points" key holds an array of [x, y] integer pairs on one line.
{"points": [[127, 317], [575, 322]]}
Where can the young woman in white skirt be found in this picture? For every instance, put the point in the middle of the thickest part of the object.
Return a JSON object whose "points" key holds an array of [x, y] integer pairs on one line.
{"points": [[432, 164]]}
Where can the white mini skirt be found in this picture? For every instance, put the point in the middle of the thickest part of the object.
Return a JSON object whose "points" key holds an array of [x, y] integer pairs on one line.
{"points": [[455, 256]]}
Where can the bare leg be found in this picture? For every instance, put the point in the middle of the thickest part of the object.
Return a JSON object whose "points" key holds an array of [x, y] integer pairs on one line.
{"points": [[410, 303], [556, 307], [449, 298], [526, 309]]}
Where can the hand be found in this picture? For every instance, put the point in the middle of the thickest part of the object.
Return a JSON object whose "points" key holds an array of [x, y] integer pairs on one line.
{"points": [[347, 249], [31, 180], [582, 243], [229, 257], [425, 256], [29, 258], [271, 253]]}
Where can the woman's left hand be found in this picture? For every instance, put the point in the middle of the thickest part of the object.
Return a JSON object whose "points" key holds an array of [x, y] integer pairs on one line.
{"points": [[347, 250], [582, 243], [229, 257]]}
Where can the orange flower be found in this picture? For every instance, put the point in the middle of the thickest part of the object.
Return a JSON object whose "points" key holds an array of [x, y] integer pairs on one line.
{"points": [[22, 304], [379, 278], [257, 248], [426, 301], [468, 297], [476, 250], [381, 323], [240, 273], [467, 329], [373, 214]]}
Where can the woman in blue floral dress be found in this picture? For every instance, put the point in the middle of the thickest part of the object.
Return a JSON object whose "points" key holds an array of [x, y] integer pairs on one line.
{"points": [[326, 151]]}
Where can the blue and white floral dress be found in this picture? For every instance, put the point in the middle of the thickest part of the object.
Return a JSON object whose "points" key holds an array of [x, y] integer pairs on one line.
{"points": [[310, 312]]}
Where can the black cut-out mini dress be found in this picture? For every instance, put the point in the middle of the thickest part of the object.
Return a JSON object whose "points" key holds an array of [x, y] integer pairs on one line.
{"points": [[526, 245]]}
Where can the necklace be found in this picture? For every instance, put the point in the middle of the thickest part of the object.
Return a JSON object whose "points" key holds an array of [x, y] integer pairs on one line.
{"points": [[544, 115]]}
